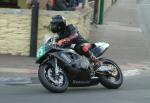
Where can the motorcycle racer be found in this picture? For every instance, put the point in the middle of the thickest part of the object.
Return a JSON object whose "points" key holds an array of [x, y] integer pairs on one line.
{"points": [[68, 35]]}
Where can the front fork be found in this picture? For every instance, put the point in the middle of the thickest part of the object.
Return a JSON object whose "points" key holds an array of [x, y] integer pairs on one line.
{"points": [[56, 67]]}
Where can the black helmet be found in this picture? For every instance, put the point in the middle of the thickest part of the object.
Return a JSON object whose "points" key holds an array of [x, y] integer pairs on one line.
{"points": [[58, 24]]}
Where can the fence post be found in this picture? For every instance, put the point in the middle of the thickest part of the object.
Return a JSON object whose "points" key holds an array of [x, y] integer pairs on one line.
{"points": [[34, 28], [101, 14]]}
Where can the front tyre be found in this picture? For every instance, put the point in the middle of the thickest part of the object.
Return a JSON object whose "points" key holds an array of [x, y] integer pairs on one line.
{"points": [[114, 80], [53, 83]]}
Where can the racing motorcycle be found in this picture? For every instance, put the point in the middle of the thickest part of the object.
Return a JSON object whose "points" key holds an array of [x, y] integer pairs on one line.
{"points": [[60, 68]]}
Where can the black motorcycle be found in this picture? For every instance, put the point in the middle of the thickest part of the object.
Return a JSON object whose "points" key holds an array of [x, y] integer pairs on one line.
{"points": [[61, 68]]}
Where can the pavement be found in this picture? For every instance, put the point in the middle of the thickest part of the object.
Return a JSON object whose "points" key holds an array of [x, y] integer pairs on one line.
{"points": [[144, 17], [121, 30]]}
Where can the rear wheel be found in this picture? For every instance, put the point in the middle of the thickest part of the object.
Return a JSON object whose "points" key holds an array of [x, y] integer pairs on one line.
{"points": [[54, 83], [114, 78]]}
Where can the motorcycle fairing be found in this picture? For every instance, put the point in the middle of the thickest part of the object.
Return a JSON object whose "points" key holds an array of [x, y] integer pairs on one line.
{"points": [[99, 48], [76, 65], [102, 45]]}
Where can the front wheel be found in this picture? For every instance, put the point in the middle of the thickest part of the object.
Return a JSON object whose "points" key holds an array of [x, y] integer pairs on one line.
{"points": [[114, 80], [54, 83]]}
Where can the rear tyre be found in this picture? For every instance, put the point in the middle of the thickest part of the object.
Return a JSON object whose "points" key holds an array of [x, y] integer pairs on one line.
{"points": [[55, 84], [112, 82]]}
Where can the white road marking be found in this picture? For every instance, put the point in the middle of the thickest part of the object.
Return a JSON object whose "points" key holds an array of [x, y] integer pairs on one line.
{"points": [[15, 80], [129, 73]]}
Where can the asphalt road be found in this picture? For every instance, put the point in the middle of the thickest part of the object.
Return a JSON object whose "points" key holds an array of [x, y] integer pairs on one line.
{"points": [[135, 89]]}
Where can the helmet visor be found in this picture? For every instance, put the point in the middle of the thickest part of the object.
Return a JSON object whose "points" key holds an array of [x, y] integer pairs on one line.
{"points": [[54, 27]]}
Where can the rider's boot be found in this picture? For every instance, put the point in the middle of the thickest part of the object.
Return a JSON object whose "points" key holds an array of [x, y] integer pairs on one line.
{"points": [[97, 62], [98, 66]]}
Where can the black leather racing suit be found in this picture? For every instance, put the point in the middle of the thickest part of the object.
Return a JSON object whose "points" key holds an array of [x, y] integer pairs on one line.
{"points": [[72, 34]]}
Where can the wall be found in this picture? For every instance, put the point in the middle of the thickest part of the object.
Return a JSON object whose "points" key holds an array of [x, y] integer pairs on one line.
{"points": [[15, 27], [22, 4], [14, 31]]}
